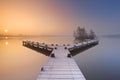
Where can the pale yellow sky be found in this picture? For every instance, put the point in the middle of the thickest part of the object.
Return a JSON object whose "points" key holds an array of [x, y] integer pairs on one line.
{"points": [[58, 17], [35, 17]]}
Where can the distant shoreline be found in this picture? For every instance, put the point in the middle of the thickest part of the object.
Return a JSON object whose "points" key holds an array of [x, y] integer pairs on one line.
{"points": [[117, 36], [38, 36]]}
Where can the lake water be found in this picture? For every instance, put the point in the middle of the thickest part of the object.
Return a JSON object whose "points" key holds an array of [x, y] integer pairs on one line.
{"points": [[17, 62]]}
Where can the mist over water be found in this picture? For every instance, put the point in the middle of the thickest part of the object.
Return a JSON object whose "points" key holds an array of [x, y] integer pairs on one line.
{"points": [[20, 63], [102, 61]]}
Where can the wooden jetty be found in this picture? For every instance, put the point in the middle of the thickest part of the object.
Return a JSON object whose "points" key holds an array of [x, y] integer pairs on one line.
{"points": [[61, 65]]}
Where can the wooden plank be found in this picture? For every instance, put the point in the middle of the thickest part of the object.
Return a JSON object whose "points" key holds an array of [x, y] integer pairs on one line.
{"points": [[61, 67]]}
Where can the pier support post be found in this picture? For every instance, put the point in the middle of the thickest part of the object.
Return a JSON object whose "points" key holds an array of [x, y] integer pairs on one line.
{"points": [[69, 55], [53, 55], [42, 69]]}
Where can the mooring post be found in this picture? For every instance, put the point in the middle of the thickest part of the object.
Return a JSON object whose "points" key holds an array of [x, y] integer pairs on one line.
{"points": [[42, 69], [69, 55], [52, 55]]}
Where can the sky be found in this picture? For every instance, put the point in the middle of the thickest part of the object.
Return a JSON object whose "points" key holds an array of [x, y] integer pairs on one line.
{"points": [[59, 17]]}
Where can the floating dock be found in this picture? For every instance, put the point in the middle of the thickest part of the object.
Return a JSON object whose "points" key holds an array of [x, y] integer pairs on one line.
{"points": [[61, 65]]}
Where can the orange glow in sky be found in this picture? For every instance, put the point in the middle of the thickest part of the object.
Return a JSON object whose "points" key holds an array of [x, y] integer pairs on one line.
{"points": [[57, 17], [6, 30], [32, 17], [35, 18]]}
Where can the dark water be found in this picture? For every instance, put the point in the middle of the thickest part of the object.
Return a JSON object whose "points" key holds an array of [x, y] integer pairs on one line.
{"points": [[20, 63]]}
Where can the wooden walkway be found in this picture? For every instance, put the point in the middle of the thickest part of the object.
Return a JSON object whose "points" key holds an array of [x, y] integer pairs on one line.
{"points": [[61, 65]]}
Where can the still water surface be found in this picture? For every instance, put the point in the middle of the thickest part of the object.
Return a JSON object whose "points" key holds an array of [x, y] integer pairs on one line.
{"points": [[17, 62]]}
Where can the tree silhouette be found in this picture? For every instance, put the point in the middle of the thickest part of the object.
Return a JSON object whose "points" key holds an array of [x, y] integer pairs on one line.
{"points": [[92, 35], [80, 34]]}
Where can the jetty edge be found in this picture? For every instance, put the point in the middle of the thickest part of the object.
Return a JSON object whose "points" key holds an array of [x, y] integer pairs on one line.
{"points": [[61, 65]]}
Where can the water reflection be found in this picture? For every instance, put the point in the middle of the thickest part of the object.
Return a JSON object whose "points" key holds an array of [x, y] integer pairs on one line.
{"points": [[20, 63], [102, 61], [6, 37], [6, 43]]}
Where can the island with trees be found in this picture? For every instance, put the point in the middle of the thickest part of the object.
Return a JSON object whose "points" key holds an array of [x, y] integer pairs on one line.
{"points": [[80, 35]]}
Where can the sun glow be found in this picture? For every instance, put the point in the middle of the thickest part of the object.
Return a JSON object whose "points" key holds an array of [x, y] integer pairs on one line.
{"points": [[5, 30], [6, 43]]}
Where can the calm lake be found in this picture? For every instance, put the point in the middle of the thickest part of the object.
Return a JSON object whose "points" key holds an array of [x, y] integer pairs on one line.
{"points": [[17, 62]]}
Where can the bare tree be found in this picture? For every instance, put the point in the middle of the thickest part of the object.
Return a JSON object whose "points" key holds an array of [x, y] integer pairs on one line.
{"points": [[92, 34], [80, 34]]}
